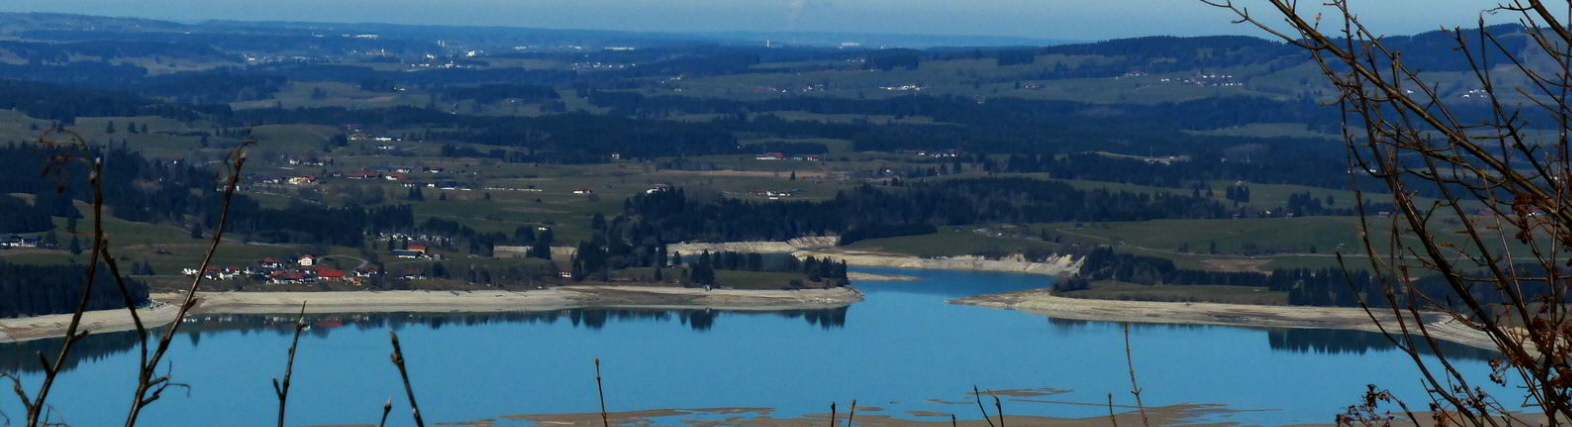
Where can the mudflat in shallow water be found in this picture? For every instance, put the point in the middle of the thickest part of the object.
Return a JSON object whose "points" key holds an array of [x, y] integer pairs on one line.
{"points": [[902, 350]]}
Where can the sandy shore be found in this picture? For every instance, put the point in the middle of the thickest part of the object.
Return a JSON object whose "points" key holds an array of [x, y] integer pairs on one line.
{"points": [[567, 297], [1042, 301], [856, 276]]}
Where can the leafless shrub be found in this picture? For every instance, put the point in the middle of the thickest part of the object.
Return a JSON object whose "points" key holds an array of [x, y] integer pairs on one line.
{"points": [[1503, 270], [150, 386], [1369, 413]]}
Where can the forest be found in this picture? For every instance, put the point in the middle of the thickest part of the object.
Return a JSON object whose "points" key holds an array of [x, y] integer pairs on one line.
{"points": [[30, 290]]}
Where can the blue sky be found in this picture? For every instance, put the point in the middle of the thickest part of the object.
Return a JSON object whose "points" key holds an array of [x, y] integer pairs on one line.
{"points": [[1054, 19]]}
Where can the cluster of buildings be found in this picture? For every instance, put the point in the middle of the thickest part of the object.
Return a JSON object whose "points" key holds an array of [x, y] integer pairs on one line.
{"points": [[310, 161], [657, 188], [440, 185], [293, 180], [812, 88], [776, 194], [597, 65], [936, 154], [290, 271], [362, 136], [375, 173], [390, 173], [783, 156], [416, 252], [20, 241], [1204, 80]]}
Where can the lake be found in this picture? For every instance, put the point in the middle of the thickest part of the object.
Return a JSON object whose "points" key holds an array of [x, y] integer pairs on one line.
{"points": [[902, 349]]}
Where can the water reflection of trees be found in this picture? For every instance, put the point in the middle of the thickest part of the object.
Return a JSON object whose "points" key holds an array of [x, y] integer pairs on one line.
{"points": [[23, 356], [1318, 341], [1335, 341]]}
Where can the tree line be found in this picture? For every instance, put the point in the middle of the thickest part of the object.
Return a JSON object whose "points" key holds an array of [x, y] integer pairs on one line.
{"points": [[33, 290], [868, 211]]}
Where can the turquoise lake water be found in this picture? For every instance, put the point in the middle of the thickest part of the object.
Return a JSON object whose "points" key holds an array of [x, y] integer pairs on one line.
{"points": [[902, 349]]}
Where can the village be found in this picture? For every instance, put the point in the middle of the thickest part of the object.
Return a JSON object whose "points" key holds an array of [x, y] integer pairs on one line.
{"points": [[304, 269]]}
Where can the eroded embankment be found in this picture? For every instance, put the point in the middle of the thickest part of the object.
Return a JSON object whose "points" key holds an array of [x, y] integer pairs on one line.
{"points": [[1044, 302]]}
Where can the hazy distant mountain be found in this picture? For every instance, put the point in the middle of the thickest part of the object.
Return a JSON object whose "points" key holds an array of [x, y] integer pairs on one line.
{"points": [[914, 41], [70, 27]]}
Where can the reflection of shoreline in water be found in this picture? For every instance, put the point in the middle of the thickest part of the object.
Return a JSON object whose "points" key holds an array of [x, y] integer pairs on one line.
{"points": [[23, 356], [1317, 341], [1337, 341]]}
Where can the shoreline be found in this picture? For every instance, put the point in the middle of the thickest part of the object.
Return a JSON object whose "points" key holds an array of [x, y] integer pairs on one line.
{"points": [[824, 246], [855, 276], [1038, 301], [1058, 266], [559, 298], [1043, 302]]}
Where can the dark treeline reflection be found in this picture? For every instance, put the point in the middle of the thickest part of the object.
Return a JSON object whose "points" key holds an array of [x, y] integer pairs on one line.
{"points": [[23, 357], [1318, 341], [1333, 341]]}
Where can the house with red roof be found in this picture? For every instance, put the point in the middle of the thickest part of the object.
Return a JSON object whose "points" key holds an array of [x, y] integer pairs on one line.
{"points": [[324, 273]]}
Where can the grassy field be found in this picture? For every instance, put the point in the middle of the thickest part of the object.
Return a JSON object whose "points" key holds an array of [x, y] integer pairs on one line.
{"points": [[970, 77], [1253, 244], [1308, 235], [1263, 197]]}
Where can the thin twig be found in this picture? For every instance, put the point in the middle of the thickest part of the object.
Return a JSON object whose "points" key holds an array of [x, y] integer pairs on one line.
{"points": [[387, 408], [977, 394], [281, 388], [37, 405], [605, 420], [851, 414], [403, 373], [998, 407], [1135, 389], [1111, 417]]}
